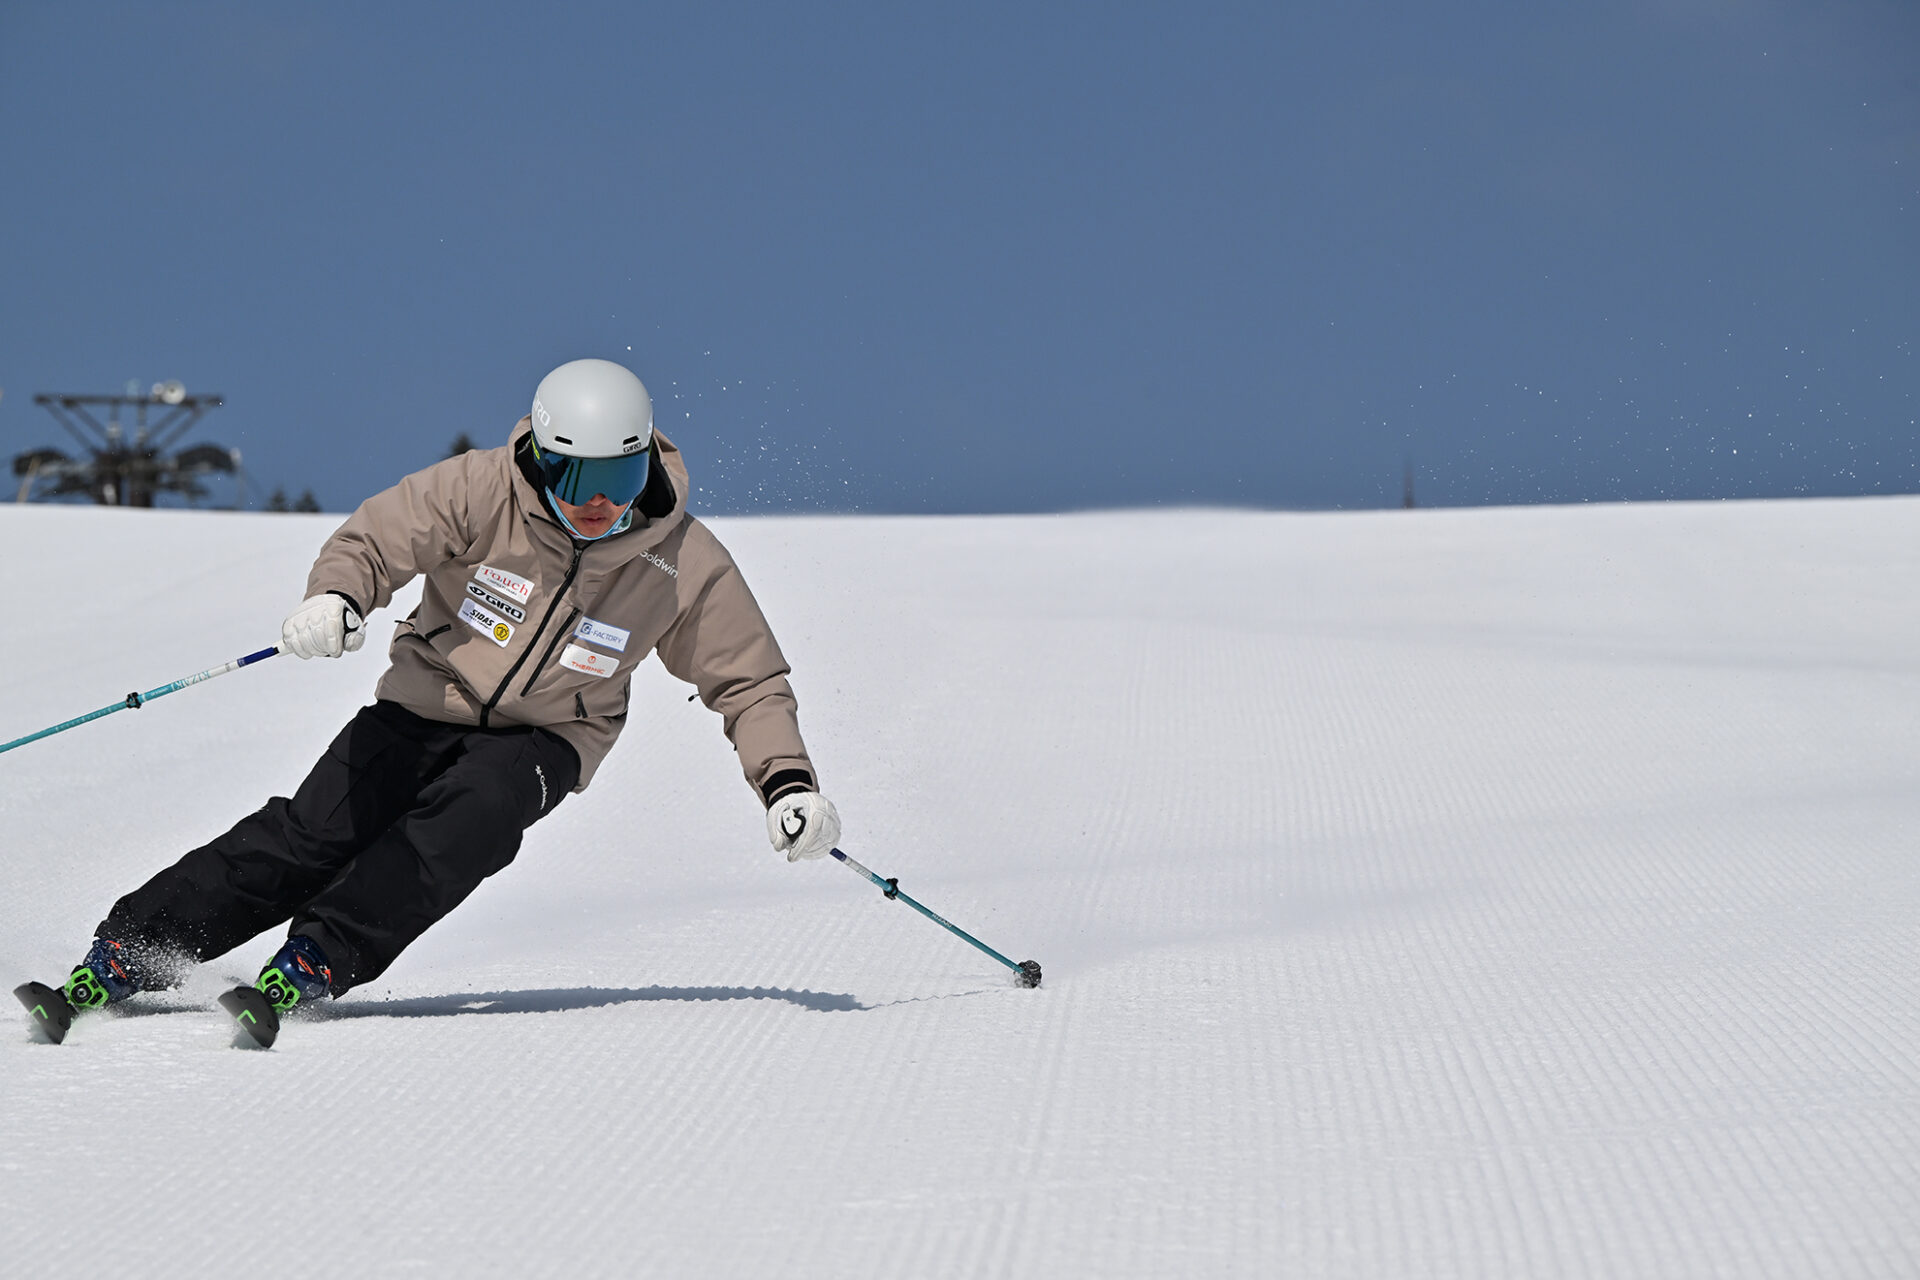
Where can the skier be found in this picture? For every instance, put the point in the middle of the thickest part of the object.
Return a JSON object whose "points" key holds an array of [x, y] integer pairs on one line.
{"points": [[553, 566]]}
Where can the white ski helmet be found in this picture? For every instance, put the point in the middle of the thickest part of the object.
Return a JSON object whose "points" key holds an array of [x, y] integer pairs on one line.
{"points": [[592, 432]]}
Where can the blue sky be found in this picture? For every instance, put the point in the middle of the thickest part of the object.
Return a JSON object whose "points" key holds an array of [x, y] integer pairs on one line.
{"points": [[995, 256]]}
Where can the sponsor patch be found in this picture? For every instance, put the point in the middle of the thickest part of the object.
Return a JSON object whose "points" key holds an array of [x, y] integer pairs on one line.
{"points": [[489, 625], [594, 664], [495, 603], [511, 584], [602, 634]]}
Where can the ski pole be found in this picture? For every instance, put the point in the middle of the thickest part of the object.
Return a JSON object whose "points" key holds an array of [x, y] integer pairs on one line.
{"points": [[1026, 973], [136, 700]]}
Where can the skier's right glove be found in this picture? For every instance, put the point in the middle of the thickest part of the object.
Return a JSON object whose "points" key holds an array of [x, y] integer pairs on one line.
{"points": [[322, 627], [803, 824]]}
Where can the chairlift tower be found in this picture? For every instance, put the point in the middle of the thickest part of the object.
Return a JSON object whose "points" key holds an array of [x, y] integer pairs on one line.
{"points": [[127, 462]]}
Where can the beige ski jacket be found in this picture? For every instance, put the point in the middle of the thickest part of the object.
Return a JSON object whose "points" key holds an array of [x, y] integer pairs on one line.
{"points": [[522, 624]]}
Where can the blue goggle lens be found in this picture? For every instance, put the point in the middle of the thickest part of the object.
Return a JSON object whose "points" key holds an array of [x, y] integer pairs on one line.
{"points": [[576, 481]]}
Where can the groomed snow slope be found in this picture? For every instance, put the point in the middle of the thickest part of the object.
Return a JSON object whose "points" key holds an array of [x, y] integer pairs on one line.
{"points": [[1514, 893]]}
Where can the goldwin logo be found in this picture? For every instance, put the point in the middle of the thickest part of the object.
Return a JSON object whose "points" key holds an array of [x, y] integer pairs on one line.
{"points": [[660, 564], [541, 774]]}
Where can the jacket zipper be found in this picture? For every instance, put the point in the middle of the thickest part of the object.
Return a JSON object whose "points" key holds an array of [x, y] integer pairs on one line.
{"points": [[579, 549], [540, 666]]}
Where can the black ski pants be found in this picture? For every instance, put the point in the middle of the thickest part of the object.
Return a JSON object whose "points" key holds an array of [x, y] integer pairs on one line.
{"points": [[398, 822]]}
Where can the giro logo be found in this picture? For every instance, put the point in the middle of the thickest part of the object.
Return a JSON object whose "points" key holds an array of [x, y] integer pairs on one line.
{"points": [[493, 601], [540, 414]]}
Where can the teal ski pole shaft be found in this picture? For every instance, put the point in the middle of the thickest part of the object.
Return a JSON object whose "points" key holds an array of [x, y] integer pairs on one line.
{"points": [[134, 701], [1026, 973]]}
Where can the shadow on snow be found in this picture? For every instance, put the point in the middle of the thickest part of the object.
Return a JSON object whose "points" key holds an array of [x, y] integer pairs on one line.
{"points": [[560, 999]]}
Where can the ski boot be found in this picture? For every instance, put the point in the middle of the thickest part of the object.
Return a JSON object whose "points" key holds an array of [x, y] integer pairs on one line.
{"points": [[105, 977], [298, 971]]}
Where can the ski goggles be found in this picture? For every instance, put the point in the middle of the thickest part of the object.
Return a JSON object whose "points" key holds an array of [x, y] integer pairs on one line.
{"points": [[577, 481]]}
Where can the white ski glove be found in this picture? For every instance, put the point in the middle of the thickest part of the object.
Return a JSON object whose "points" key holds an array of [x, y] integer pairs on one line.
{"points": [[322, 627], [803, 824]]}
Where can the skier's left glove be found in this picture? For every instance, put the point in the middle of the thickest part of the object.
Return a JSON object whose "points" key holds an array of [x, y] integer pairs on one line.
{"points": [[803, 824]]}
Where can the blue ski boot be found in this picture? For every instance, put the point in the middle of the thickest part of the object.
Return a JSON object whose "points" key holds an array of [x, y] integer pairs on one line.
{"points": [[298, 971], [107, 976]]}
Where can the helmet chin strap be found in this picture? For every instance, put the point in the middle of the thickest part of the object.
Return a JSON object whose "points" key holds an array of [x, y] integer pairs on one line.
{"points": [[621, 525]]}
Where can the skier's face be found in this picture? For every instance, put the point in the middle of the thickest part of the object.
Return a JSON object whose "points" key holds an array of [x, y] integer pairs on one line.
{"points": [[592, 518]]}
